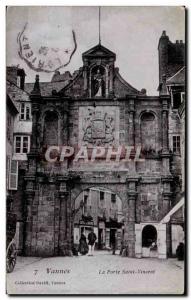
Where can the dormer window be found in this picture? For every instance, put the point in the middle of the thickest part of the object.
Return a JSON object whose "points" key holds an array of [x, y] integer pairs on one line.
{"points": [[176, 100], [25, 112]]}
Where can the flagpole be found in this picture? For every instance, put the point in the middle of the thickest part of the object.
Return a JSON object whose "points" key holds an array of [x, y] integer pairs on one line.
{"points": [[99, 25]]}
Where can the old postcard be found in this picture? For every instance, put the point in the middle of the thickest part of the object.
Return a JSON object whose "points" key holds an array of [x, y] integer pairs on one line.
{"points": [[95, 152]]}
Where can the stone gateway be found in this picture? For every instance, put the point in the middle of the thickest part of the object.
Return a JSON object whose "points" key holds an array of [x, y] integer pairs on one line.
{"points": [[124, 201]]}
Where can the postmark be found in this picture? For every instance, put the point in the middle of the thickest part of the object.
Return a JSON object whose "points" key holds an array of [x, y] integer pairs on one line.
{"points": [[44, 58]]}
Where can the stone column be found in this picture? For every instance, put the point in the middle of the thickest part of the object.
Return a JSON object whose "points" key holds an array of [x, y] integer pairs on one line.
{"points": [[106, 82], [131, 224], [165, 128], [35, 112], [111, 81], [165, 143], [35, 99], [65, 221], [166, 206], [28, 217], [32, 155], [131, 110], [131, 131], [85, 78], [131, 219]]}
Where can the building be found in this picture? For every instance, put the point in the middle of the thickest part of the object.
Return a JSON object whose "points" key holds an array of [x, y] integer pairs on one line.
{"points": [[11, 167], [101, 210], [20, 143], [172, 80], [122, 143]]}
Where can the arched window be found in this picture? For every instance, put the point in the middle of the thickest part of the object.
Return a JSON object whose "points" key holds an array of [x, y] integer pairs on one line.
{"points": [[98, 83], [148, 131], [51, 128]]}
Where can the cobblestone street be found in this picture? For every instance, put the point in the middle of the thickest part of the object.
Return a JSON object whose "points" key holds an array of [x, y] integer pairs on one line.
{"points": [[102, 273]]}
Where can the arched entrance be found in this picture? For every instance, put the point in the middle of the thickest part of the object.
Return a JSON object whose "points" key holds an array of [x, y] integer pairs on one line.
{"points": [[149, 241], [100, 209]]}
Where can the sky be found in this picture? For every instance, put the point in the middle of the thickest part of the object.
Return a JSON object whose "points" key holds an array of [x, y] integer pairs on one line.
{"points": [[131, 32]]}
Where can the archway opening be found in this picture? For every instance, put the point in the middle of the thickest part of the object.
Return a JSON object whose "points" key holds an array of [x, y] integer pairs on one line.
{"points": [[99, 209], [149, 241]]}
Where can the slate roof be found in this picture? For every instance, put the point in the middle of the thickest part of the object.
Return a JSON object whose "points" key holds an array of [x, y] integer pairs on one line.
{"points": [[177, 78], [15, 93], [46, 88]]}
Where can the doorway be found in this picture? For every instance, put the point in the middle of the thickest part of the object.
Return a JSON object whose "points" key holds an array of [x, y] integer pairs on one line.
{"points": [[149, 241], [112, 240], [100, 239]]}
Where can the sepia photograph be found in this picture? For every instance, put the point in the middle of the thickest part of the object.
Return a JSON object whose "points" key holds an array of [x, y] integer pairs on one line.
{"points": [[95, 150]]}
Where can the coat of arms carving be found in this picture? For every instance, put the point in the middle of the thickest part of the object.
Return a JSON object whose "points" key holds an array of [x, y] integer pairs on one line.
{"points": [[98, 127]]}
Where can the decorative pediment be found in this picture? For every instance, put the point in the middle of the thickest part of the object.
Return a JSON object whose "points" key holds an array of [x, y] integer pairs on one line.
{"points": [[98, 78], [99, 51]]}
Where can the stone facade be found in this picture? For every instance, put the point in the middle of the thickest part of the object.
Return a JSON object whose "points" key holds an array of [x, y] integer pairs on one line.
{"points": [[96, 107]]}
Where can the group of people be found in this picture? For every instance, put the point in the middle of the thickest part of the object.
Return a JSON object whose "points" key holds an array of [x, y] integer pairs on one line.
{"points": [[87, 248]]}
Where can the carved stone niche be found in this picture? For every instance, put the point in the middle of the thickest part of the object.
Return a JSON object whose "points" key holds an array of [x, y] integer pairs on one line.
{"points": [[98, 81]]}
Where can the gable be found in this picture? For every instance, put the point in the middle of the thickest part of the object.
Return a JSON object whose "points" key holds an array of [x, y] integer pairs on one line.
{"points": [[123, 88], [75, 88], [98, 51]]}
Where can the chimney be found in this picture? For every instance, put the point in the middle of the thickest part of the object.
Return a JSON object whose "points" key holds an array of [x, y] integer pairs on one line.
{"points": [[16, 76], [163, 46]]}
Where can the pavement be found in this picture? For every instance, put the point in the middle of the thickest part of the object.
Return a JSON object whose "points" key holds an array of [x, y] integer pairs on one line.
{"points": [[102, 273]]}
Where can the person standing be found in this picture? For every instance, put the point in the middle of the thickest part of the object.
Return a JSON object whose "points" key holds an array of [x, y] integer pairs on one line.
{"points": [[91, 242], [83, 246], [114, 240]]}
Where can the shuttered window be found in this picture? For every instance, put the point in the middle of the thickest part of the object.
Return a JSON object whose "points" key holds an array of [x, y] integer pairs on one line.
{"points": [[13, 175], [8, 160]]}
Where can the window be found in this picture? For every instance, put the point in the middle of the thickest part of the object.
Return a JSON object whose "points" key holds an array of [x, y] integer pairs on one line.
{"points": [[113, 198], [13, 175], [25, 111], [22, 144], [176, 100], [101, 196], [176, 143], [85, 204]]}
